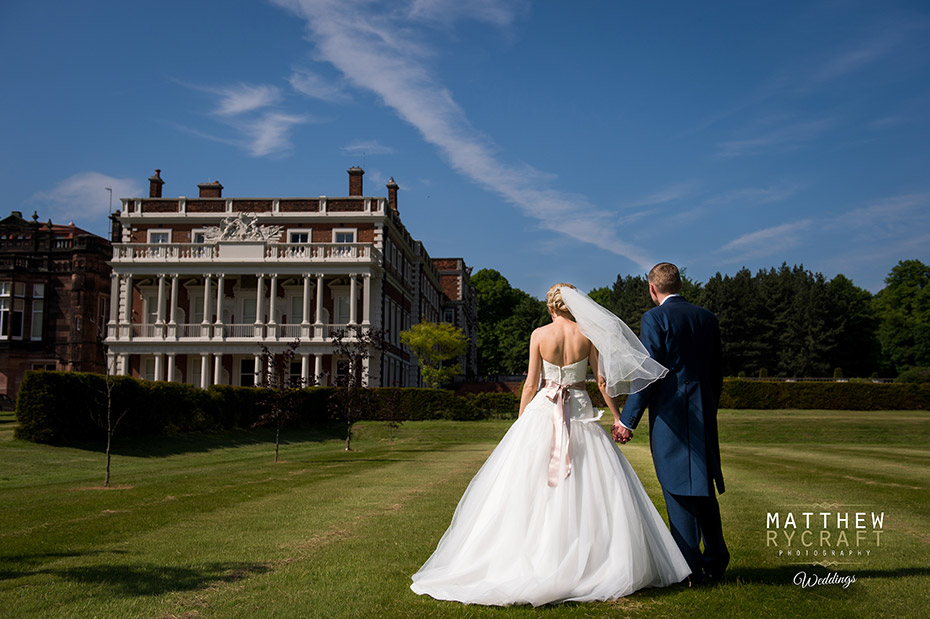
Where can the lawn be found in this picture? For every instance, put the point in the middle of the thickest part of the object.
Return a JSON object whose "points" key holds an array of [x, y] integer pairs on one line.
{"points": [[210, 526]]}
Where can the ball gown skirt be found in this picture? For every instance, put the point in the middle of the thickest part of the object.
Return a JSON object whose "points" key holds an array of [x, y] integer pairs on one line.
{"points": [[517, 539]]}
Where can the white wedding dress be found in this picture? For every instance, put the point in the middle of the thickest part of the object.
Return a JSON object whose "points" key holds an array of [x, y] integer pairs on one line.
{"points": [[556, 513]]}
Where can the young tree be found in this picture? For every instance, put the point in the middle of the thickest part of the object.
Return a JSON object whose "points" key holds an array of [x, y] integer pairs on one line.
{"points": [[278, 386], [354, 345], [435, 344], [104, 415]]}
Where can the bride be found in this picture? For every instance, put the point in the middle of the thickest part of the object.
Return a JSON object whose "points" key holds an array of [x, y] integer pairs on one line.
{"points": [[556, 513]]}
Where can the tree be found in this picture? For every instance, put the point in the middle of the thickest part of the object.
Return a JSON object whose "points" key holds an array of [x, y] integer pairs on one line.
{"points": [[434, 344], [507, 317], [857, 348], [353, 346], [903, 309], [107, 418], [278, 386]]}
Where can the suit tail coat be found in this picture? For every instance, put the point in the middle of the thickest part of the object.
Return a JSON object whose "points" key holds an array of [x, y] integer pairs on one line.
{"points": [[682, 406]]}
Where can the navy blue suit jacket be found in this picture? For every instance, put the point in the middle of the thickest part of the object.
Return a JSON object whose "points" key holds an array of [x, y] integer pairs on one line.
{"points": [[682, 406]]}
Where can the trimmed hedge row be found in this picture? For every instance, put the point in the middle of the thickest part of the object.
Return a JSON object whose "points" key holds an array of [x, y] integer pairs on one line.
{"points": [[851, 396], [69, 407]]}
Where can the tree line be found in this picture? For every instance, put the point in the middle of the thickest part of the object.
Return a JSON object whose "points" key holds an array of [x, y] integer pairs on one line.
{"points": [[785, 321]]}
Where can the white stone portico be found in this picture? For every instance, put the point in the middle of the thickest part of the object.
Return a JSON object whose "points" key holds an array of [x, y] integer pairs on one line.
{"points": [[200, 283]]}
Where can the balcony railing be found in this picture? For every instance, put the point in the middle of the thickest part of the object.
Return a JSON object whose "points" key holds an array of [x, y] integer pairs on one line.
{"points": [[212, 332], [273, 252]]}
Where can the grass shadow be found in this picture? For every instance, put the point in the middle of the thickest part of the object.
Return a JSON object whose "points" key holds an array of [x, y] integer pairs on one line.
{"points": [[164, 446], [148, 579]]}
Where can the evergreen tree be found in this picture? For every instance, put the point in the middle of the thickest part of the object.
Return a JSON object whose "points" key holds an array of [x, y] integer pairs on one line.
{"points": [[857, 349]]}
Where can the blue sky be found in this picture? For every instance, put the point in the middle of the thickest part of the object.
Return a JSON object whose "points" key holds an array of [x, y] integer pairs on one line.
{"points": [[551, 141]]}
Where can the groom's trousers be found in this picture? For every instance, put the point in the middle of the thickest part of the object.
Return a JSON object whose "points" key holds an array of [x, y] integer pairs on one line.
{"points": [[692, 519]]}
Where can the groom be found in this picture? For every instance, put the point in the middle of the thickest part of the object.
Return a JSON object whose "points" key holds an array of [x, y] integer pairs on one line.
{"points": [[684, 338]]}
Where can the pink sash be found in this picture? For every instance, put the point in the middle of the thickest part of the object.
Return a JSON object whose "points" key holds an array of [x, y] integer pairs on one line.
{"points": [[560, 396]]}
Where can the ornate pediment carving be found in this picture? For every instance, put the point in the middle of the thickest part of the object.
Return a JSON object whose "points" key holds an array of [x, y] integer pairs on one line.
{"points": [[242, 227]]}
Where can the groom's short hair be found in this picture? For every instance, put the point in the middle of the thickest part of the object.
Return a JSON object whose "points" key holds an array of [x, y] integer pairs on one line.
{"points": [[666, 278]]}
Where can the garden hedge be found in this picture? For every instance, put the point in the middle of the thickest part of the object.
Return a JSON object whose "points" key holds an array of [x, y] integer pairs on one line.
{"points": [[69, 407]]}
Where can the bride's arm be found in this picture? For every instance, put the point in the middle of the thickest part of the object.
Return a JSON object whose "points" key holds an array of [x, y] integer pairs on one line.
{"points": [[531, 386], [602, 385]]}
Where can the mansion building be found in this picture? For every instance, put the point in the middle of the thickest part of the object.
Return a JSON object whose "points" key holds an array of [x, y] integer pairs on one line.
{"points": [[200, 284]]}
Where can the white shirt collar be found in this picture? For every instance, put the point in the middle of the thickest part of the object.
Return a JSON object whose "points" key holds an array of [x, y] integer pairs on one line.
{"points": [[667, 298]]}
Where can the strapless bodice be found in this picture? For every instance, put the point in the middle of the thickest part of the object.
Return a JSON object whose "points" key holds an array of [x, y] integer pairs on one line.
{"points": [[566, 374]]}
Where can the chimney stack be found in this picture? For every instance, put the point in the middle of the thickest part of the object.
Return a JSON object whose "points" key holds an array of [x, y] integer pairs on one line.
{"points": [[211, 190], [155, 184], [355, 181], [392, 194]]}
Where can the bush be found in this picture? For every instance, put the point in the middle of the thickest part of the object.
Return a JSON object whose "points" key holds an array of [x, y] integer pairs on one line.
{"points": [[748, 394], [914, 375]]}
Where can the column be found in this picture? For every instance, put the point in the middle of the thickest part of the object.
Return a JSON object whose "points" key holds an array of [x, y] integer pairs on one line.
{"points": [[159, 366], [114, 299], [124, 364], [305, 369], [220, 293], [258, 370], [171, 364], [127, 310], [173, 320], [260, 301], [273, 306], [318, 368], [204, 370], [366, 299], [160, 308], [319, 298], [353, 299], [218, 369], [206, 300], [305, 319]]}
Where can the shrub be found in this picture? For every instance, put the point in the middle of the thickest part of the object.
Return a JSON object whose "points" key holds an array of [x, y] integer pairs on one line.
{"points": [[914, 375]]}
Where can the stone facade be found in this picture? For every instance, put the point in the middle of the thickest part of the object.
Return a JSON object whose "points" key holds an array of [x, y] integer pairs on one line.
{"points": [[200, 283], [54, 298]]}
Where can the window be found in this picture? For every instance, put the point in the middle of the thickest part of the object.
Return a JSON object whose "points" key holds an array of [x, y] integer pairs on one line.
{"points": [[297, 310], [299, 236], [49, 366], [342, 309], [343, 236], [159, 236], [247, 372], [295, 376], [148, 368], [448, 316], [197, 236], [248, 311], [38, 310], [5, 305]]}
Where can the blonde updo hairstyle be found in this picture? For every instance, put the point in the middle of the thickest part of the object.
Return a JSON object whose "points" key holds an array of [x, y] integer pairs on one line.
{"points": [[555, 302]]}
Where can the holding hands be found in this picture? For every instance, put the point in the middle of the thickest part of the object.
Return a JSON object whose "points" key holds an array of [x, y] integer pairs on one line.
{"points": [[621, 434]]}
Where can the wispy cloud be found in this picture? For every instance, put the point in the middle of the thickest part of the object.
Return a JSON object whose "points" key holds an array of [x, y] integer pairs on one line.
{"points": [[367, 147], [379, 53], [663, 196], [252, 112], [783, 138], [766, 242], [84, 195], [244, 98], [753, 196], [313, 85], [492, 12]]}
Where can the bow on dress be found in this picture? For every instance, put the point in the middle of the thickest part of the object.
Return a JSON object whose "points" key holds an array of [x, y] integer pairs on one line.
{"points": [[560, 447]]}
